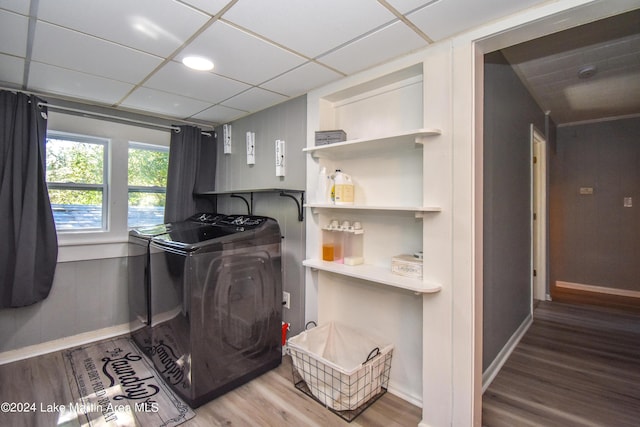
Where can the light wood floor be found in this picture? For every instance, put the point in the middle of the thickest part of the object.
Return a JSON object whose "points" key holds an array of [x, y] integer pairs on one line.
{"points": [[270, 400], [577, 365]]}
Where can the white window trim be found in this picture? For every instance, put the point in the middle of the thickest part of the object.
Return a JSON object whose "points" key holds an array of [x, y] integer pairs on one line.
{"points": [[86, 245], [89, 139]]}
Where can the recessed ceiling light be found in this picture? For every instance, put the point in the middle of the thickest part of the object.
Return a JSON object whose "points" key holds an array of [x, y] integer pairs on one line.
{"points": [[198, 63]]}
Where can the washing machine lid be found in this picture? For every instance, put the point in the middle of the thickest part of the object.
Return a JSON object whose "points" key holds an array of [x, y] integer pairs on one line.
{"points": [[189, 239], [243, 222], [147, 232], [205, 218]]}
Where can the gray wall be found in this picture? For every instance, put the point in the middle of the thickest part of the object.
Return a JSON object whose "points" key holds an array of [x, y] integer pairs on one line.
{"points": [[594, 239], [286, 121], [508, 112], [86, 296]]}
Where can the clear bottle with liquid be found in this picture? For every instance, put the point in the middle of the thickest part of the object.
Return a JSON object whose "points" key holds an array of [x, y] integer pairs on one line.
{"points": [[332, 242], [353, 244]]}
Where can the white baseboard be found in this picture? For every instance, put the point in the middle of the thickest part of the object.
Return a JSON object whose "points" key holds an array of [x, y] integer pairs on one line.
{"points": [[598, 289], [489, 375], [414, 400], [62, 343]]}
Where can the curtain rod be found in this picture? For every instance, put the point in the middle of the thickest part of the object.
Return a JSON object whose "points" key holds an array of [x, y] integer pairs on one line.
{"points": [[108, 116]]}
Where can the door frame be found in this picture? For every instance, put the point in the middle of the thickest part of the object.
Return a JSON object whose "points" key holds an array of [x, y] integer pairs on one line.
{"points": [[539, 216]]}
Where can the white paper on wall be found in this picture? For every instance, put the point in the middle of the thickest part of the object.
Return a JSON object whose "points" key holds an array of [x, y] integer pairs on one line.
{"points": [[251, 148], [280, 158], [226, 138]]}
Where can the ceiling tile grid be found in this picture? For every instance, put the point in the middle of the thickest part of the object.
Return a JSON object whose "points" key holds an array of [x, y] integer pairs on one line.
{"points": [[126, 55], [11, 69], [71, 50], [19, 6], [165, 103], [239, 55], [13, 33], [202, 85], [72, 84], [307, 26], [377, 47], [158, 27]]}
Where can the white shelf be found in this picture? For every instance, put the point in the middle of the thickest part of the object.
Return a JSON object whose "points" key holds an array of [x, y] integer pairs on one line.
{"points": [[416, 209], [375, 274], [366, 145]]}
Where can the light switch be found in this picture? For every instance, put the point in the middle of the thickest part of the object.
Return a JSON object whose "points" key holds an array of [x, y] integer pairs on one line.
{"points": [[586, 190], [628, 202]]}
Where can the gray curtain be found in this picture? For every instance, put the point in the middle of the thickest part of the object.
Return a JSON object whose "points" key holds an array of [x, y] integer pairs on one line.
{"points": [[191, 163], [29, 244]]}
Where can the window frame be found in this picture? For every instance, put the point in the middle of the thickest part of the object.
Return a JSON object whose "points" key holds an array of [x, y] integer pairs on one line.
{"points": [[104, 187], [143, 188]]}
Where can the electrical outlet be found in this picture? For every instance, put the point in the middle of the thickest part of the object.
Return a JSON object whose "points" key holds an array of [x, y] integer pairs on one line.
{"points": [[286, 299]]}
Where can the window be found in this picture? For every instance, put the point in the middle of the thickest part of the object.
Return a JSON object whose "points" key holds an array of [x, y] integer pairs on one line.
{"points": [[77, 181], [148, 167]]}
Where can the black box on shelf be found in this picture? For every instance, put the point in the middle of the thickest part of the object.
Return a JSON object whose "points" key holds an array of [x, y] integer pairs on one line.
{"points": [[324, 137]]}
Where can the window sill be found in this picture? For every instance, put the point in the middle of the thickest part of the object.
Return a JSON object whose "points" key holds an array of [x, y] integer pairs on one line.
{"points": [[88, 246]]}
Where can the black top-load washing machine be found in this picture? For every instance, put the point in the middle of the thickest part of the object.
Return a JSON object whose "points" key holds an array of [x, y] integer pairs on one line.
{"points": [[138, 270], [216, 305]]}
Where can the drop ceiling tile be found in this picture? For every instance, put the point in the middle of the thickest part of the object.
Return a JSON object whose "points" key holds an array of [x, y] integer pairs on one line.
{"points": [[11, 69], [255, 99], [49, 79], [302, 79], [176, 78], [20, 6], [406, 6], [219, 114], [240, 55], [211, 7], [13, 33], [69, 49], [309, 27], [168, 104], [448, 17], [154, 26], [378, 47]]}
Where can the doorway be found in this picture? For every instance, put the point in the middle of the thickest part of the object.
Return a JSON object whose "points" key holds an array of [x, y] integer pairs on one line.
{"points": [[539, 262]]}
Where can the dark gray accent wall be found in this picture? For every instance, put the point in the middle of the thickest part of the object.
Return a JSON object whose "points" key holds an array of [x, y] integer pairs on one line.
{"points": [[594, 239], [509, 111], [288, 122]]}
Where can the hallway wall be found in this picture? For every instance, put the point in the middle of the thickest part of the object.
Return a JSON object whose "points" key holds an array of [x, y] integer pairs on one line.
{"points": [[594, 239], [509, 111]]}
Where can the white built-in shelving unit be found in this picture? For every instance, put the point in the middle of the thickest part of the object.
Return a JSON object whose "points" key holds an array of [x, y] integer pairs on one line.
{"points": [[386, 163], [398, 152]]}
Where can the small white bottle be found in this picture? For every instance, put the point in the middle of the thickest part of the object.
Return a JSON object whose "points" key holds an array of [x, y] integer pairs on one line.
{"points": [[323, 184]]}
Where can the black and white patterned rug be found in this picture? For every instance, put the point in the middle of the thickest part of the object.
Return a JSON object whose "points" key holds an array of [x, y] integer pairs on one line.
{"points": [[114, 384]]}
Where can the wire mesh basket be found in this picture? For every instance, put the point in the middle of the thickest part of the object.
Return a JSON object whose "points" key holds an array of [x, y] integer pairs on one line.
{"points": [[340, 367]]}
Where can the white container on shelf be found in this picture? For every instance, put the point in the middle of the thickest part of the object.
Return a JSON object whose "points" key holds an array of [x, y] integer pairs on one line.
{"points": [[353, 244], [407, 265], [343, 188]]}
